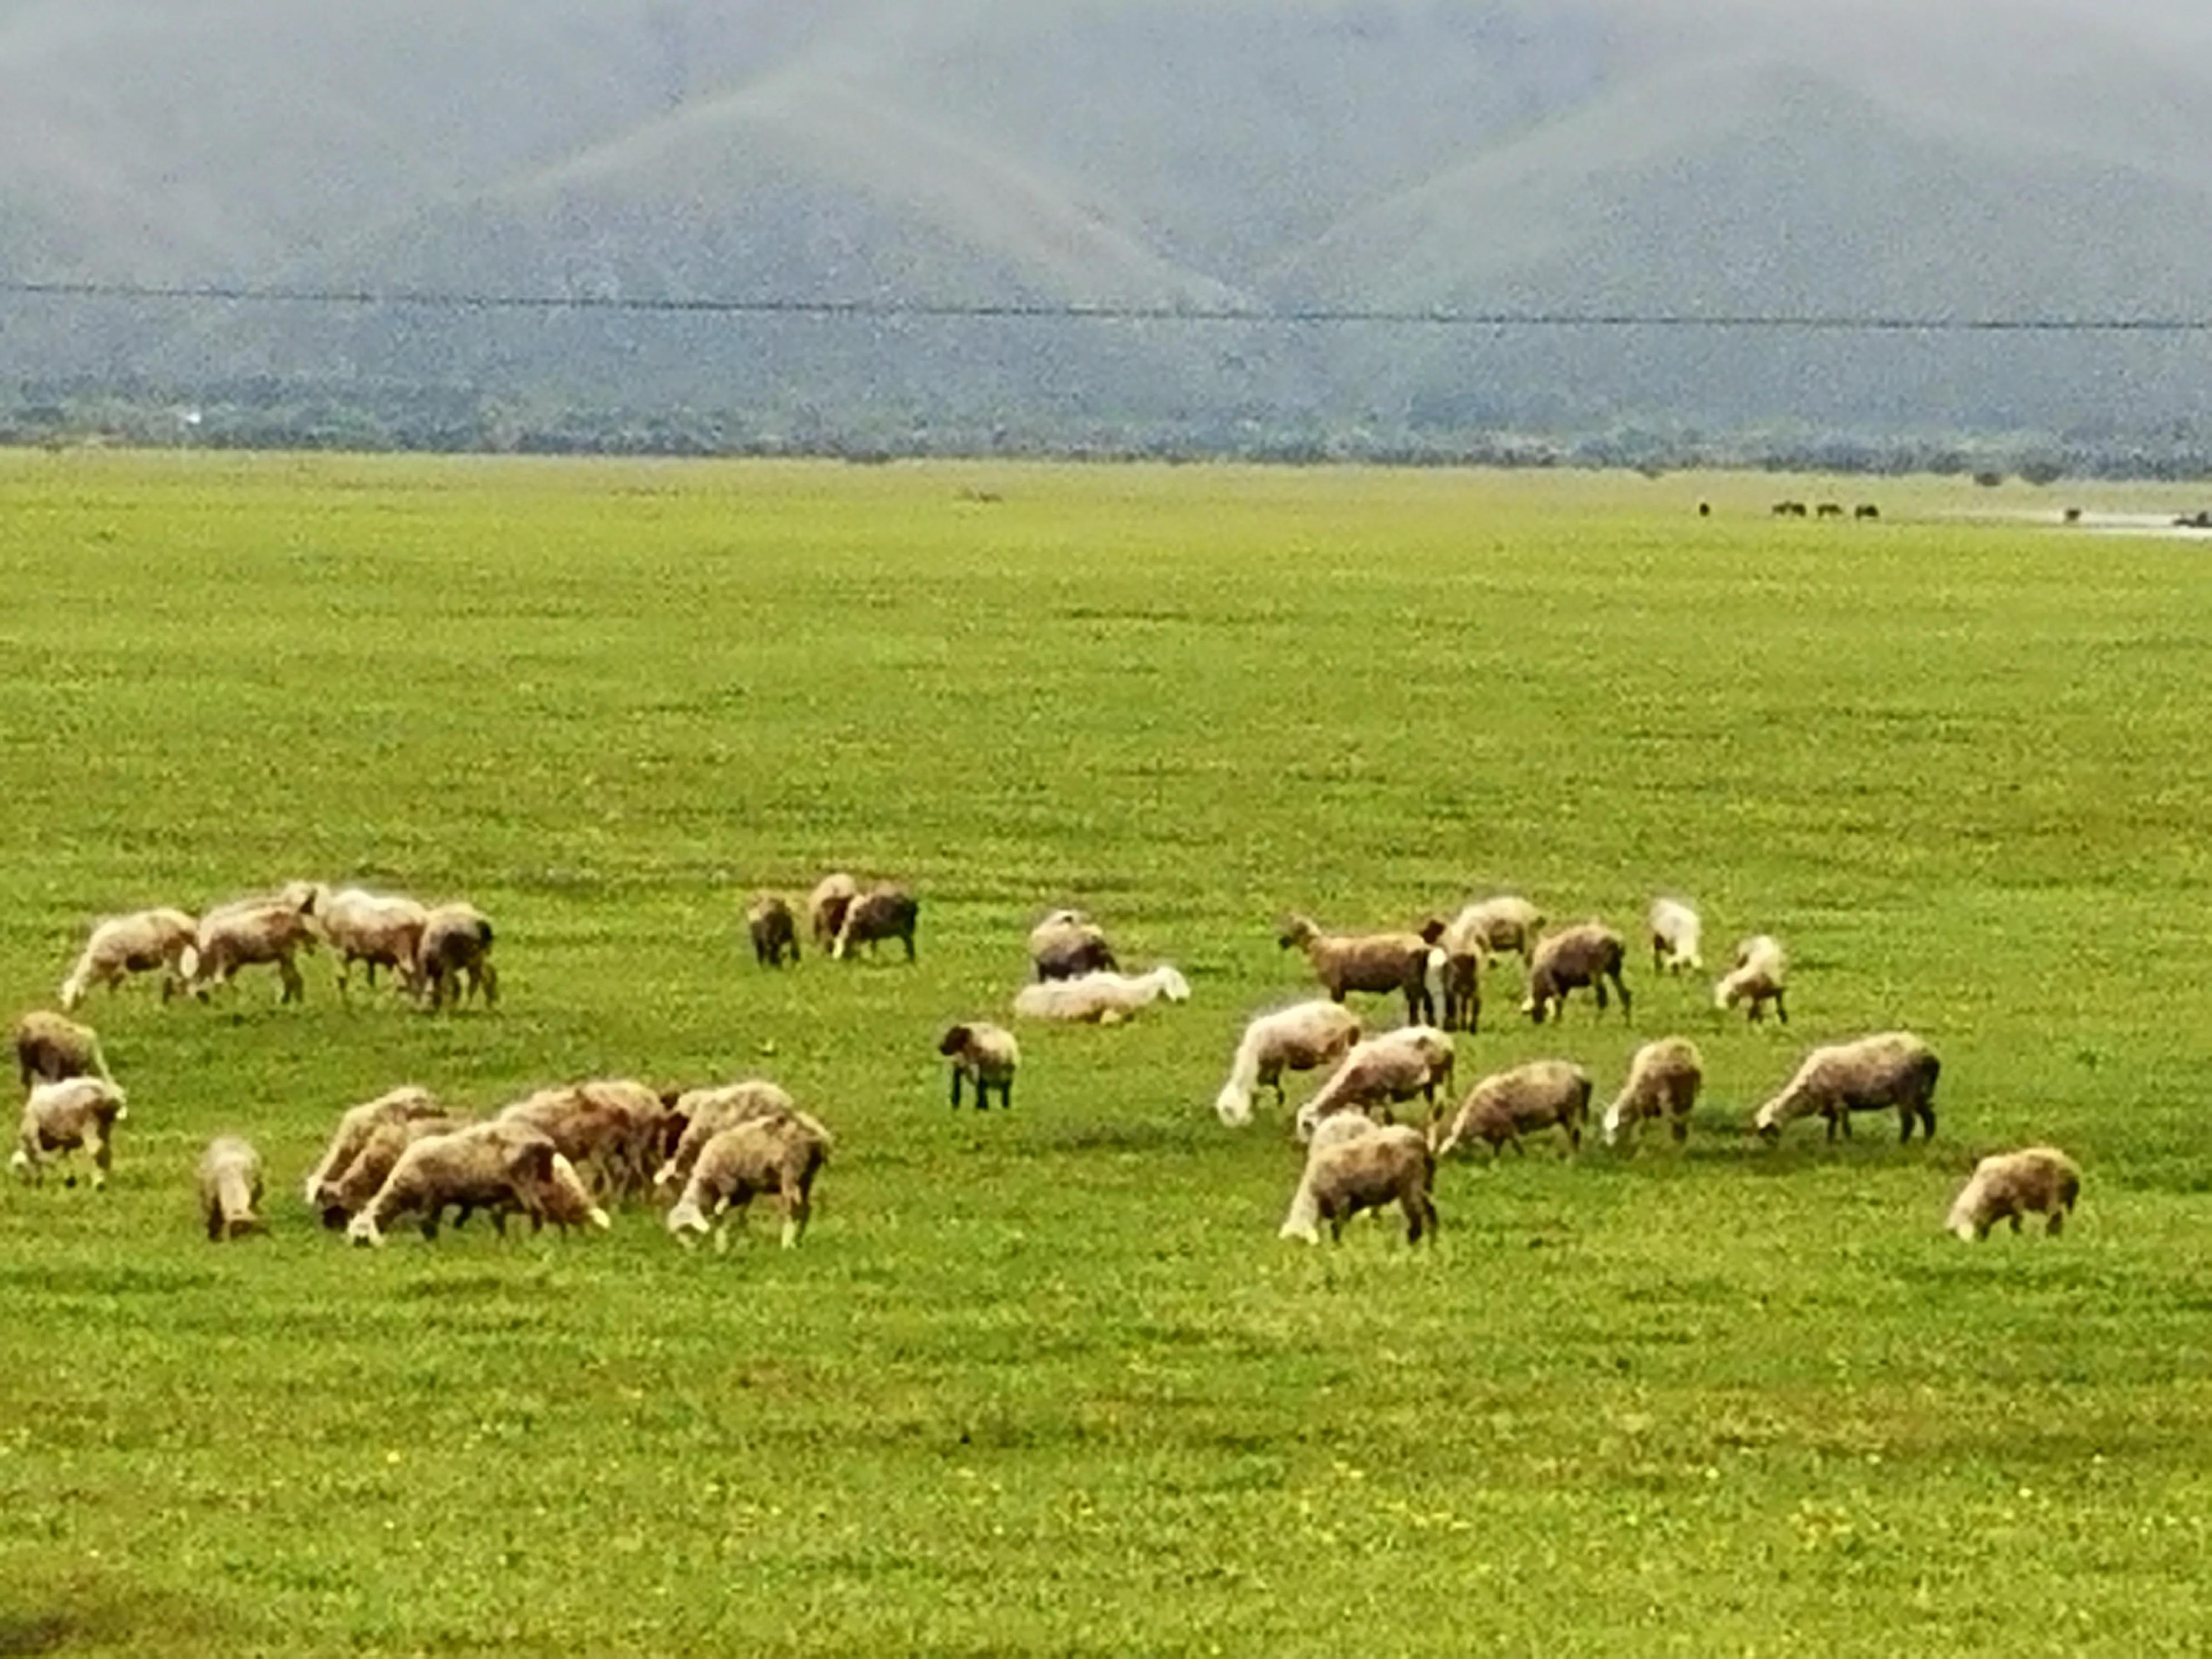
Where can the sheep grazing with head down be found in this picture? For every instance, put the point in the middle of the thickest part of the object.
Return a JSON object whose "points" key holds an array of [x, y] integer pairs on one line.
{"points": [[1295, 1039], [612, 1129], [269, 933], [357, 1123], [1761, 976], [230, 1190], [376, 929], [697, 1115], [1356, 1165], [1663, 1080], [1100, 998], [1344, 963], [1894, 1068], [826, 906], [886, 911], [1506, 1105], [1067, 944], [500, 1166], [139, 943], [454, 958], [779, 1155], [346, 1191], [77, 1113], [1413, 1060], [1675, 935], [772, 928], [49, 1049], [1588, 954], [986, 1055], [2036, 1180]]}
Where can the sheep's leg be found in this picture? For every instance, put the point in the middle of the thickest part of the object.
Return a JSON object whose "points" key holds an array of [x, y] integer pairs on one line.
{"points": [[1006, 1095], [1903, 1125], [1781, 1009], [295, 988], [956, 1087], [2056, 1224], [1410, 1205], [1627, 1003], [488, 978]]}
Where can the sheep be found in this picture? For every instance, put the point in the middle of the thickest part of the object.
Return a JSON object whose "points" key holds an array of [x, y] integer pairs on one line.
{"points": [[986, 1055], [1504, 1106], [826, 906], [1663, 1080], [779, 1154], [1894, 1068], [247, 934], [697, 1115], [379, 930], [78, 1112], [1372, 961], [884, 912], [500, 1166], [135, 944], [49, 1049], [357, 1123], [343, 1192], [1588, 954], [613, 1127], [1067, 944], [1413, 1060], [1465, 942], [230, 1188], [1759, 976], [1333, 1131], [1293, 1039], [2007, 1186], [1675, 938], [456, 945], [772, 928], [1366, 1171], [1100, 998], [1494, 925]]}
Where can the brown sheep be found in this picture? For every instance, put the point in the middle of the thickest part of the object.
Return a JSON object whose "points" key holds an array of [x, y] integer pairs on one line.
{"points": [[357, 1123], [500, 1166], [1298, 1038], [826, 906], [1663, 1080], [230, 1190], [782, 1155], [2004, 1187], [773, 930], [244, 935], [77, 1113], [1505, 1105], [49, 1048], [696, 1116], [1761, 975], [1344, 963], [1413, 1060], [376, 929], [137, 944], [986, 1055], [455, 945], [1067, 944], [1364, 1170], [1894, 1068], [342, 1194], [611, 1127], [1588, 954], [886, 911]]}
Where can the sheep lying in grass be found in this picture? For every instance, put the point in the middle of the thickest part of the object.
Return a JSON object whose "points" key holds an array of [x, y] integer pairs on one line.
{"points": [[230, 1188], [781, 1155], [1295, 1039], [357, 1123], [1100, 998], [1894, 1068], [1663, 1080], [377, 930], [454, 958], [1588, 954], [49, 1049], [1506, 1105], [500, 1166], [2041, 1180], [1344, 963], [697, 1115], [986, 1055], [78, 1113], [886, 912], [347, 1190], [139, 943], [826, 906], [611, 1128], [1675, 936], [1758, 977], [1349, 1169], [1413, 1060], [772, 929], [249, 934], [1067, 944]]}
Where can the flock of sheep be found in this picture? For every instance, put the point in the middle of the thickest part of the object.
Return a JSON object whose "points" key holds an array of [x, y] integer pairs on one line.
{"points": [[562, 1153]]}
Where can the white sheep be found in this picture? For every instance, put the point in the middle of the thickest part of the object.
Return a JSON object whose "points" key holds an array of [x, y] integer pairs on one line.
{"points": [[1894, 1068], [1295, 1039], [230, 1188], [1491, 925], [1365, 1170], [376, 929], [357, 1123], [248, 934], [1761, 976], [2041, 1180], [699, 1115], [78, 1113], [986, 1055], [782, 1155], [1395, 1065], [136, 944], [1102, 998], [1675, 935], [1663, 1080]]}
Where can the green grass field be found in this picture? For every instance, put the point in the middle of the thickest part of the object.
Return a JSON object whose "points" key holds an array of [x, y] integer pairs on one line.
{"points": [[1046, 1381]]}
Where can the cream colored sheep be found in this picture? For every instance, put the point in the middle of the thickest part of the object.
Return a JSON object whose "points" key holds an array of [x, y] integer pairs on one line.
{"points": [[78, 1113], [1495, 925], [1067, 944], [2041, 1180], [1395, 1066], [244, 935], [986, 1055], [1761, 976], [500, 1166], [781, 1155], [357, 1123], [697, 1115], [1894, 1068], [230, 1188], [1676, 933], [346, 1191], [1663, 1080], [1100, 998], [377, 930], [1506, 1105], [139, 943], [454, 958], [888, 911], [1345, 963], [772, 929], [611, 1129], [1294, 1039], [1364, 1170], [826, 906], [50, 1047], [1588, 954]]}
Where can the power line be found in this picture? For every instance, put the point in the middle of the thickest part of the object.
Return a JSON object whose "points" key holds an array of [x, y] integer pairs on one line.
{"points": [[1018, 310]]}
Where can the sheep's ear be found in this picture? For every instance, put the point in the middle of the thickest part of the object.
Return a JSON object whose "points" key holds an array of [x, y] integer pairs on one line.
{"points": [[1432, 930]]}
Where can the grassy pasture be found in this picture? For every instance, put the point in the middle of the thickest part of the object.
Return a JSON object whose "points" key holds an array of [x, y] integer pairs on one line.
{"points": [[1046, 1380]]}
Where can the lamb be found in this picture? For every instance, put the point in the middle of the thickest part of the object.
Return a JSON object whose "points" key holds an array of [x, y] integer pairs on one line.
{"points": [[379, 930], [1293, 1039], [455, 945], [1413, 1060], [826, 906], [78, 1112], [2010, 1185], [773, 930], [1894, 1068], [345, 1192], [1366, 1170], [1372, 961], [881, 913], [1663, 1080], [781, 1155], [500, 1166], [1067, 944], [1675, 933], [357, 1123], [135, 944], [1505, 1105], [49, 1049], [1758, 977], [247, 934], [612, 1126], [1100, 998], [230, 1188], [1588, 954], [986, 1055], [699, 1115]]}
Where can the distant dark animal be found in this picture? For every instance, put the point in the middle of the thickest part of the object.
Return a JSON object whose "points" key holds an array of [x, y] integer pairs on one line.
{"points": [[882, 913], [1866, 510], [1789, 509], [2073, 515], [1829, 510], [1704, 509], [773, 928]]}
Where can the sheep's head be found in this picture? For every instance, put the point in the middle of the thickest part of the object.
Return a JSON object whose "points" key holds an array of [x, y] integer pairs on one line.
{"points": [[1432, 930], [954, 1041], [1295, 931], [1173, 986]]}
